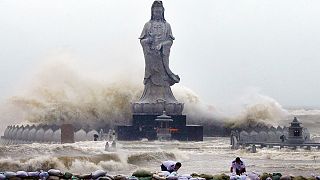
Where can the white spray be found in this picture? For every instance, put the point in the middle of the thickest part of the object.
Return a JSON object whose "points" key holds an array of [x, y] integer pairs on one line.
{"points": [[59, 92]]}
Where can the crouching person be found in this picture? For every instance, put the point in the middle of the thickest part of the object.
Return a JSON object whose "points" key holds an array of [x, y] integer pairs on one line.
{"points": [[238, 166], [170, 166]]}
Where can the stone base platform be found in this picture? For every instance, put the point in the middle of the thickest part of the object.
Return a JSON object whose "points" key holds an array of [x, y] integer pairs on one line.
{"points": [[145, 126]]}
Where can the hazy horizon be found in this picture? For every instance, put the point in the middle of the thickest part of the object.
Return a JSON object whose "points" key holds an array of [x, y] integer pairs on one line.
{"points": [[223, 49]]}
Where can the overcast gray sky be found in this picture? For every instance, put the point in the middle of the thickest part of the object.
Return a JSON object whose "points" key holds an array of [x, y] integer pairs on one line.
{"points": [[223, 48]]}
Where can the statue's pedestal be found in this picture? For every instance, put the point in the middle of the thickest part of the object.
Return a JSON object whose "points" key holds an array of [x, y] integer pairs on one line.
{"points": [[151, 105], [156, 99], [145, 126]]}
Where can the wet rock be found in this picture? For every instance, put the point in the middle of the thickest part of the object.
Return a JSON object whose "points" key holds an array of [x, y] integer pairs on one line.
{"points": [[84, 176], [104, 178], [206, 176], [142, 173], [55, 172], [133, 178], [276, 176], [120, 177], [33, 175], [145, 178], [10, 174], [285, 178], [264, 176], [67, 175], [43, 175], [299, 178], [22, 174], [54, 178], [109, 176], [98, 173]]}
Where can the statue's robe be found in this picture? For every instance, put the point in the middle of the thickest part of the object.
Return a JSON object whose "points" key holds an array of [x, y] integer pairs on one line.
{"points": [[158, 76]]}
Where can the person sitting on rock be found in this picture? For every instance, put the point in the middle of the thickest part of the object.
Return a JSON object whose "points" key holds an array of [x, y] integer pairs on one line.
{"points": [[238, 166], [170, 166]]}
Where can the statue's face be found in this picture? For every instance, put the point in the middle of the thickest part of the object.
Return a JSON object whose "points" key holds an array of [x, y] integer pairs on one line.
{"points": [[157, 12]]}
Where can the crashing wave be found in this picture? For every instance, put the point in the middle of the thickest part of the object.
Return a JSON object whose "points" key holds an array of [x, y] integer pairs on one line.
{"points": [[60, 94]]}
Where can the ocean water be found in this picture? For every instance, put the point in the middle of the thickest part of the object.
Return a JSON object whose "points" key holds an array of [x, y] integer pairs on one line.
{"points": [[211, 156]]}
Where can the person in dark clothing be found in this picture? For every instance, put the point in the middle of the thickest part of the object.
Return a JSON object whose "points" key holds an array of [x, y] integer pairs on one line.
{"points": [[95, 137]]}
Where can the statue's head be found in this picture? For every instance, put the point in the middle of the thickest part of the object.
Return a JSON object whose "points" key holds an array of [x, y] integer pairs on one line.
{"points": [[157, 11]]}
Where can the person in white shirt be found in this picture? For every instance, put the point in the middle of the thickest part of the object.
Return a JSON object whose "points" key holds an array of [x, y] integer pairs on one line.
{"points": [[238, 166], [170, 166]]}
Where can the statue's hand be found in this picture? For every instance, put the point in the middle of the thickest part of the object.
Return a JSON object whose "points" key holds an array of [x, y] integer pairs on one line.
{"points": [[146, 41], [159, 46]]}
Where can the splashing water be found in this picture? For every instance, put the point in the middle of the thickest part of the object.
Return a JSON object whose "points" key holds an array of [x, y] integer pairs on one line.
{"points": [[59, 93], [212, 156], [259, 110]]}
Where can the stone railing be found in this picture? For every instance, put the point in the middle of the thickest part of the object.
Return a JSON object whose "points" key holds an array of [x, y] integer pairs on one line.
{"points": [[20, 134], [266, 135]]}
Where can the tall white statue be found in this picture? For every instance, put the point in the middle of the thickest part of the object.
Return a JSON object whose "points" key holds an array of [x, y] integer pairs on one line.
{"points": [[156, 40]]}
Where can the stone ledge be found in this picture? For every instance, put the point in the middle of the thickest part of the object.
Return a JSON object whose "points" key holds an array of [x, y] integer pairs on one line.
{"points": [[157, 108]]}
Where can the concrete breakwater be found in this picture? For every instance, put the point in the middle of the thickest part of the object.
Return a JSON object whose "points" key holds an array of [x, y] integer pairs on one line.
{"points": [[291, 137], [20, 134]]}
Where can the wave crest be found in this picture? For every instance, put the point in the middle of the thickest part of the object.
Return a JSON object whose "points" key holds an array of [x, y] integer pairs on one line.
{"points": [[59, 93]]}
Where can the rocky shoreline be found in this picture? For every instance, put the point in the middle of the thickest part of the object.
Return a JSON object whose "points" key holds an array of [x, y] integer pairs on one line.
{"points": [[54, 174]]}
